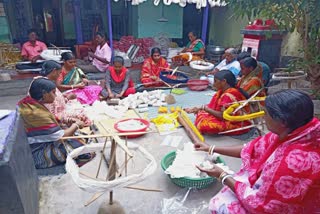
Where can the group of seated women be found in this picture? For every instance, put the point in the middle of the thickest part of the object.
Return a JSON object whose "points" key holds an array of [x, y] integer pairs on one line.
{"points": [[209, 117], [280, 171], [72, 86]]}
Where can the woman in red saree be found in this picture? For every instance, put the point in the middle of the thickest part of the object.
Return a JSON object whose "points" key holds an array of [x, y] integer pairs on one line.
{"points": [[151, 69], [280, 171], [209, 119], [251, 80], [118, 81]]}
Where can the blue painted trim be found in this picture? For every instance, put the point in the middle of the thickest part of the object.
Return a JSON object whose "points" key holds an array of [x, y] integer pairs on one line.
{"points": [[205, 19], [77, 18]]}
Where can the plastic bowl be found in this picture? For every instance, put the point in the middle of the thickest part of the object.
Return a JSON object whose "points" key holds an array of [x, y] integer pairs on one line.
{"points": [[145, 122], [198, 85], [181, 78]]}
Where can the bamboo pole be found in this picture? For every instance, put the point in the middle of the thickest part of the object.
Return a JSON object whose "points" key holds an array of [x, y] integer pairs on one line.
{"points": [[242, 128], [106, 135]]}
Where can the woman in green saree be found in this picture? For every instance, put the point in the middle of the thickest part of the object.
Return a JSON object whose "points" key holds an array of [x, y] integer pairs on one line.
{"points": [[72, 79]]}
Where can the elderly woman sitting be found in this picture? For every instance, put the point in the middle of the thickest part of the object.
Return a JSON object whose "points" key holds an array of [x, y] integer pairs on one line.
{"points": [[251, 80], [229, 63], [43, 131], [280, 171]]}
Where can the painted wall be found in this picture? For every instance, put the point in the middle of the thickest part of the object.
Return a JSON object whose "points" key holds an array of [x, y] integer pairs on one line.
{"points": [[224, 29], [148, 25], [68, 19]]}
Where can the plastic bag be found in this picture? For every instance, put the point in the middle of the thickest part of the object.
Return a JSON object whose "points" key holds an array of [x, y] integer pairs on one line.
{"points": [[184, 202]]}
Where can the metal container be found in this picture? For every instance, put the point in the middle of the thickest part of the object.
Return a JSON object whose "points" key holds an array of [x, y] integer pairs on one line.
{"points": [[214, 53], [215, 50]]}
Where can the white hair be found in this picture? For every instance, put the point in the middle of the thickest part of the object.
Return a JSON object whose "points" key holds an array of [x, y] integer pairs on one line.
{"points": [[232, 51]]}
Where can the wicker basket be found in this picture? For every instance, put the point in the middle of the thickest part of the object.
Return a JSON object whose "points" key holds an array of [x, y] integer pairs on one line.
{"points": [[198, 183]]}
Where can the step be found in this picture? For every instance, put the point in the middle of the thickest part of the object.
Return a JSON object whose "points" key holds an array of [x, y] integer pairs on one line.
{"points": [[14, 87]]}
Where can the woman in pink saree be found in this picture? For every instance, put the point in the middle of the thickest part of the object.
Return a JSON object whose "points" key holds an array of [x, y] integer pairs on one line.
{"points": [[73, 79], [280, 171]]}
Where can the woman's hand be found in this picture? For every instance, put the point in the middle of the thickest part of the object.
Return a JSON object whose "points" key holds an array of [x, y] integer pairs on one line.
{"points": [[118, 96], [34, 59], [91, 54], [201, 146], [71, 96], [111, 95], [154, 78], [85, 81], [80, 123], [213, 172], [192, 110], [80, 85]]}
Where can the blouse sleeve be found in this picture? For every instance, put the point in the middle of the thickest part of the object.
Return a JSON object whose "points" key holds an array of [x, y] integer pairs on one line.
{"points": [[108, 79], [145, 72], [61, 76]]}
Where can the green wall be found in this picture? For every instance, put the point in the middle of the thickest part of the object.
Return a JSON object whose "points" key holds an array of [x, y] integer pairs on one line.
{"points": [[224, 29], [68, 20], [4, 30], [148, 15]]}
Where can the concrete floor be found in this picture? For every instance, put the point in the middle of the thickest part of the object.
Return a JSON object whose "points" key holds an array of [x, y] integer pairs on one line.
{"points": [[58, 194]]}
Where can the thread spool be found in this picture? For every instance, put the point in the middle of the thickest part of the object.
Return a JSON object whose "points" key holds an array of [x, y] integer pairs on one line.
{"points": [[170, 99]]}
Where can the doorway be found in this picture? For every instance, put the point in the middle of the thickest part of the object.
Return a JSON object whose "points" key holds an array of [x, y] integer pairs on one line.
{"points": [[47, 21], [192, 21]]}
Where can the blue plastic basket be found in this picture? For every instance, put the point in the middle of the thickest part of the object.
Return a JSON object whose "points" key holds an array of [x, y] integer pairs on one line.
{"points": [[181, 78]]}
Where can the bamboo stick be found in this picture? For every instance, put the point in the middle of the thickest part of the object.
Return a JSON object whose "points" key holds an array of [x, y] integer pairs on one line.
{"points": [[169, 69], [143, 189], [93, 198], [247, 101], [194, 138], [242, 128], [99, 166], [191, 125], [106, 135], [99, 194], [118, 141]]}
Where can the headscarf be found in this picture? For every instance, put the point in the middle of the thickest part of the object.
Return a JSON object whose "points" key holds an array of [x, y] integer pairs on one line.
{"points": [[40, 86], [49, 66]]}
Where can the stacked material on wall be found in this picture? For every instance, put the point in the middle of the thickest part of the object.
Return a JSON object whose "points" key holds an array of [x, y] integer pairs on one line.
{"points": [[144, 44]]}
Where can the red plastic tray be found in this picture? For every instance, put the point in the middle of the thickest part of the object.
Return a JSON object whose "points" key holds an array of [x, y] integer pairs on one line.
{"points": [[137, 130], [198, 85]]}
